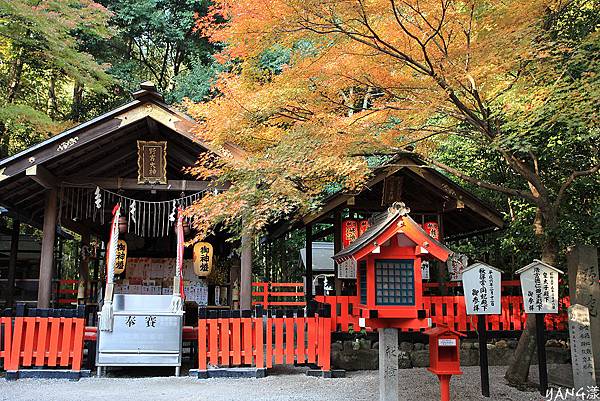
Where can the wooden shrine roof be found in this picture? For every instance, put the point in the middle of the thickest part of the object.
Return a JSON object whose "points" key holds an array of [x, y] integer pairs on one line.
{"points": [[103, 152], [424, 190]]}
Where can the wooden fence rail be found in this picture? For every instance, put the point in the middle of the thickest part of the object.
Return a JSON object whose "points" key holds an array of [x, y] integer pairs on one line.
{"points": [[451, 311], [278, 294], [43, 338], [263, 341]]}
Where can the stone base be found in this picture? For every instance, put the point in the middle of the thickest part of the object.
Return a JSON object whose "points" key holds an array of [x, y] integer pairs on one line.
{"points": [[327, 374], [241, 373], [46, 374]]}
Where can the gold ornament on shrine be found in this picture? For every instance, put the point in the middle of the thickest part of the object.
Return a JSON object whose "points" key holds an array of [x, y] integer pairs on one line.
{"points": [[203, 259], [152, 162], [121, 258]]}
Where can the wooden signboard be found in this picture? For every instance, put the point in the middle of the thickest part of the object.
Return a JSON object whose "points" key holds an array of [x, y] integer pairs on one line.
{"points": [[481, 283], [121, 259], [152, 162], [539, 283], [203, 259], [347, 269], [456, 264]]}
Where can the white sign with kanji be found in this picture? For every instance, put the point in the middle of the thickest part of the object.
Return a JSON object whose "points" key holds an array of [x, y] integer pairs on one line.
{"points": [[539, 284], [481, 283], [425, 270], [456, 264], [347, 269]]}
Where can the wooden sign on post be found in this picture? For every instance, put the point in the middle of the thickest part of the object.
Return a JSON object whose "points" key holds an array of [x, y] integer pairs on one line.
{"points": [[582, 355], [481, 283], [539, 285]]}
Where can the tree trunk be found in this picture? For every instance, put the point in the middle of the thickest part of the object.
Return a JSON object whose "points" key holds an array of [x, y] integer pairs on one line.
{"points": [[15, 78], [52, 101], [518, 372], [76, 106]]}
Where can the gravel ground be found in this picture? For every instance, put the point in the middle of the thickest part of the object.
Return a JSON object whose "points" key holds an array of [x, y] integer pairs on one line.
{"points": [[282, 384]]}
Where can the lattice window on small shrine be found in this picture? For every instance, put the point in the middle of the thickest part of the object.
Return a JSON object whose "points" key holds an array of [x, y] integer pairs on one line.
{"points": [[394, 282], [362, 273]]}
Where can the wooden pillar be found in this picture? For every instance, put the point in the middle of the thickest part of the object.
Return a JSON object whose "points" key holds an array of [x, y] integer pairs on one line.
{"points": [[47, 254], [246, 273], [309, 263], [337, 246], [12, 262], [84, 269]]}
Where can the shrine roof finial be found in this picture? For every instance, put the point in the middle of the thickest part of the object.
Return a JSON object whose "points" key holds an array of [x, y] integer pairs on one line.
{"points": [[147, 89]]}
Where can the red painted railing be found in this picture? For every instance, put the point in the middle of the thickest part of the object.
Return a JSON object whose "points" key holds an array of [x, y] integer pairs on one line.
{"points": [[43, 342], [66, 291], [278, 294], [5, 340], [226, 342], [451, 311]]}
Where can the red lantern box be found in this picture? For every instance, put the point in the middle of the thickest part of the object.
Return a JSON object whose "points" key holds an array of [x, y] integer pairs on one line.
{"points": [[387, 261]]}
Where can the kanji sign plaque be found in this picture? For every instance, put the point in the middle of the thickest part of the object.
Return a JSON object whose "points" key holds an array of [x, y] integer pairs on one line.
{"points": [[481, 283], [539, 283], [152, 162]]}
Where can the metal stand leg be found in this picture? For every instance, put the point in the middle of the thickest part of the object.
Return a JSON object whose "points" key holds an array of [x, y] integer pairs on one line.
{"points": [[177, 371], [99, 371]]}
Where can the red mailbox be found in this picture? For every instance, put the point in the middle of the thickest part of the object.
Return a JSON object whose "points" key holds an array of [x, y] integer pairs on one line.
{"points": [[444, 356]]}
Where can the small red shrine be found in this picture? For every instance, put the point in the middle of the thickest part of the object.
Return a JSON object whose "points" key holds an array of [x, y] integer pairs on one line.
{"points": [[387, 259]]}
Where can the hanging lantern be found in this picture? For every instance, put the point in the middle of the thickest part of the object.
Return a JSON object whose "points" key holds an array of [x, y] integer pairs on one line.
{"points": [[433, 229], [203, 258], [349, 232], [186, 227], [364, 226], [121, 257], [122, 224]]}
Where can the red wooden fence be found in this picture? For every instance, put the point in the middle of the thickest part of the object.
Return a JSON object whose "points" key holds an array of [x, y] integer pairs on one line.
{"points": [[451, 311], [42, 341], [264, 342], [278, 294], [5, 339]]}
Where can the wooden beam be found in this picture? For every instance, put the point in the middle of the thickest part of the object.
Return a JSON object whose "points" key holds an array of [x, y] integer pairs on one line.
{"points": [[456, 192], [12, 261], [132, 184], [246, 273], [42, 176]]}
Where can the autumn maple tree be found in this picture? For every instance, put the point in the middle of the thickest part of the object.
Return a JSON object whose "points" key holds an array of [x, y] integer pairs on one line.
{"points": [[313, 91]]}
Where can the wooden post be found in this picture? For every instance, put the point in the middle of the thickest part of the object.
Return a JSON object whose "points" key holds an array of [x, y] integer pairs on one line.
{"points": [[337, 246], [84, 270], [309, 275], [540, 330], [246, 273], [12, 262], [47, 254], [483, 356]]}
